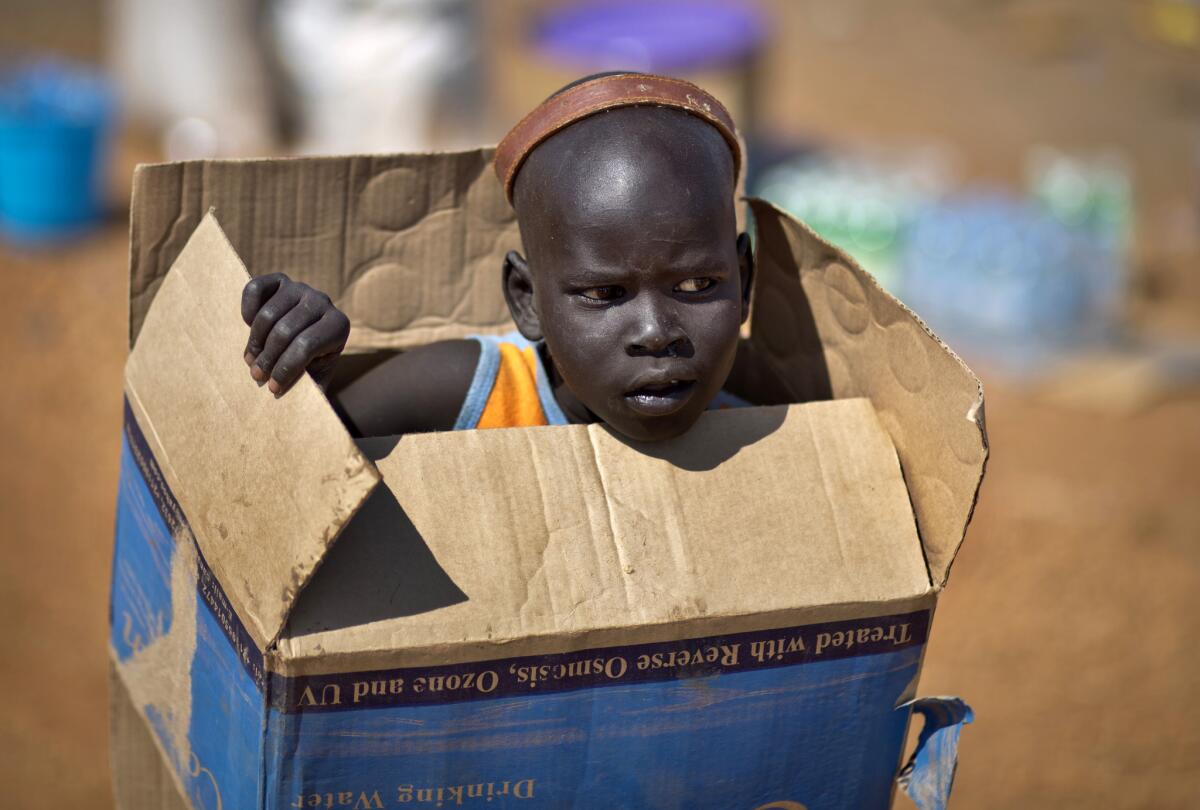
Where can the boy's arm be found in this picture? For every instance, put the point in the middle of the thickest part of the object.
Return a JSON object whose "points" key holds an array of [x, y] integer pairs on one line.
{"points": [[418, 390], [294, 328]]}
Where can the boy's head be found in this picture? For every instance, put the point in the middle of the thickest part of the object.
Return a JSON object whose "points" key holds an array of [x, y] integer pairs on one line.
{"points": [[636, 277]]}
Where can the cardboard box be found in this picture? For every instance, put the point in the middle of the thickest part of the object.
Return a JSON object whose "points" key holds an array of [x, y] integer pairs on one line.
{"points": [[534, 617]]}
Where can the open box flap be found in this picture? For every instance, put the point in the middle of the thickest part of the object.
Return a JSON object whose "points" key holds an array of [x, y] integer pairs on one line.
{"points": [[266, 484], [509, 537], [409, 246], [822, 328]]}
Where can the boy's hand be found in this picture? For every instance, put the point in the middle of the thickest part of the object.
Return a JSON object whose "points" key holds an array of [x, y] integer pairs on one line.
{"points": [[293, 328]]}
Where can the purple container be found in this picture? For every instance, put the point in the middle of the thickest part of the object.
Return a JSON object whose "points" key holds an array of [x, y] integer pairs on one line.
{"points": [[55, 125], [660, 36]]}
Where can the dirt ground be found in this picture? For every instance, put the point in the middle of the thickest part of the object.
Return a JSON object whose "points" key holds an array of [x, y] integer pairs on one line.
{"points": [[1071, 619]]}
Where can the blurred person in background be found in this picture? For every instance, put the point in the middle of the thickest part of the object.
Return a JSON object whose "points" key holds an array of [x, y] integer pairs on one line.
{"points": [[379, 76], [226, 78]]}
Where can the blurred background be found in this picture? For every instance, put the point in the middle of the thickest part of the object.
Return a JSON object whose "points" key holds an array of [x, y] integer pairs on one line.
{"points": [[1024, 173]]}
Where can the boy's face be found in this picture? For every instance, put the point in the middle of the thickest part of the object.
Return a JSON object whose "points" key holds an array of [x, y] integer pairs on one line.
{"points": [[637, 287]]}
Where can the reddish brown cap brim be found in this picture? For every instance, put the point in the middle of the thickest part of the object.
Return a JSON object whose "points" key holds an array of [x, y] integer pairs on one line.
{"points": [[606, 93]]}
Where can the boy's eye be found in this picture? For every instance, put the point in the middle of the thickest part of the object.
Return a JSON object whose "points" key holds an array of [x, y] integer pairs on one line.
{"points": [[609, 293], [692, 285]]}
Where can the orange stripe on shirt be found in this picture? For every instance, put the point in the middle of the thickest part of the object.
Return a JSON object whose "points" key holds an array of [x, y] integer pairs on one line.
{"points": [[514, 399]]}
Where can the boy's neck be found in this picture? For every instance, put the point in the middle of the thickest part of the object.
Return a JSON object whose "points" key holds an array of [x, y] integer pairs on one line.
{"points": [[575, 411]]}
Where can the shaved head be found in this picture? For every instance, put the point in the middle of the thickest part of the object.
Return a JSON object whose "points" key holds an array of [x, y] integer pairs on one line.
{"points": [[595, 171], [636, 277]]}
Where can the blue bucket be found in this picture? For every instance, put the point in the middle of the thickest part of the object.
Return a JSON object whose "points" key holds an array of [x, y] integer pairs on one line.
{"points": [[55, 126]]}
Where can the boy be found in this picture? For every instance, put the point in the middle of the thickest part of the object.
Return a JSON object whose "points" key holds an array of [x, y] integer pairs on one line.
{"points": [[630, 300]]}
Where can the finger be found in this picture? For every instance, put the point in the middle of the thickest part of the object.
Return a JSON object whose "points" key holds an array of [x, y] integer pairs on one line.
{"points": [[282, 335], [280, 304], [325, 338], [257, 292]]}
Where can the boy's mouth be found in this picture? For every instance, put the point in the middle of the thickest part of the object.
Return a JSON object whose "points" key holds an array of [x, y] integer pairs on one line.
{"points": [[660, 398]]}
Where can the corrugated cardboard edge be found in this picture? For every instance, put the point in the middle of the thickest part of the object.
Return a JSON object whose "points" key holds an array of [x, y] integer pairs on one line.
{"points": [[293, 659], [141, 778], [925, 394]]}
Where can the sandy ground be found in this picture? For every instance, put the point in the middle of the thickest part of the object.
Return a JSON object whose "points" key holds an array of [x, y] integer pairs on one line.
{"points": [[65, 344], [1071, 617]]}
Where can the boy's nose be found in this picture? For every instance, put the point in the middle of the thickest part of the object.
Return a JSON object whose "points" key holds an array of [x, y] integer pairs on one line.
{"points": [[657, 334]]}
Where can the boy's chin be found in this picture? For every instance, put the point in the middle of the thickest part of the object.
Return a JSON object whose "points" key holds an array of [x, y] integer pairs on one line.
{"points": [[652, 428]]}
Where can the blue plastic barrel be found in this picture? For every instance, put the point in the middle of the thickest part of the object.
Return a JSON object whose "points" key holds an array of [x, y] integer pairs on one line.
{"points": [[55, 126]]}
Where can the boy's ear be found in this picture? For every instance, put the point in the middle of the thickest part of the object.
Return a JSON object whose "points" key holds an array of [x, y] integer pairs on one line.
{"points": [[518, 292], [746, 271]]}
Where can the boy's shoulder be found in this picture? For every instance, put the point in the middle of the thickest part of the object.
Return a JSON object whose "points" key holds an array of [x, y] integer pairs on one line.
{"points": [[511, 386]]}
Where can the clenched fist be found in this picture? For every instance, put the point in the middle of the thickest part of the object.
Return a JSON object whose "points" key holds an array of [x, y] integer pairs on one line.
{"points": [[293, 329]]}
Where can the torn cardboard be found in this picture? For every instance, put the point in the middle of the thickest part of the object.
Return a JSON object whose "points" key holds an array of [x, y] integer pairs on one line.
{"points": [[537, 617]]}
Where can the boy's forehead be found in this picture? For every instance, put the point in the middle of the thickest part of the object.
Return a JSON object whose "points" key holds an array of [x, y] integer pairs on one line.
{"points": [[626, 188], [632, 219]]}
